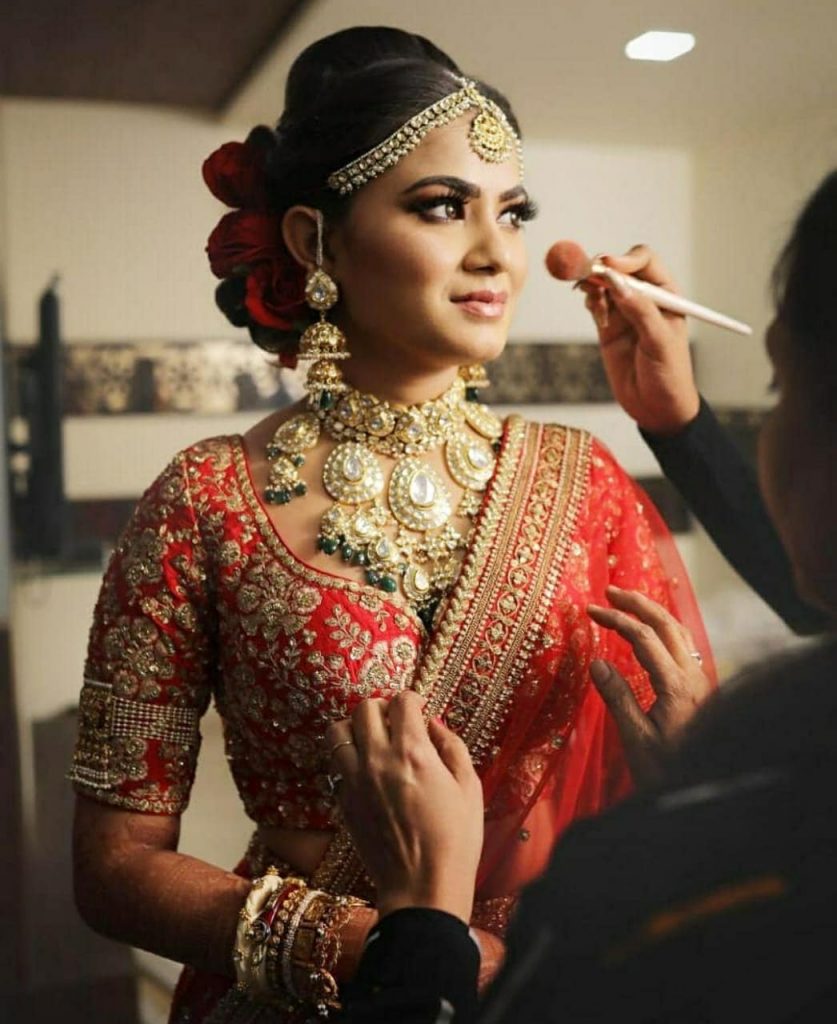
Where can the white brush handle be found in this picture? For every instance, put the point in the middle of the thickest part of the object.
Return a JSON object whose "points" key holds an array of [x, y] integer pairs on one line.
{"points": [[670, 301]]}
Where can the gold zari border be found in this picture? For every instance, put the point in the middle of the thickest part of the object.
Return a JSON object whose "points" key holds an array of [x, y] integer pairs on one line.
{"points": [[478, 654], [105, 717]]}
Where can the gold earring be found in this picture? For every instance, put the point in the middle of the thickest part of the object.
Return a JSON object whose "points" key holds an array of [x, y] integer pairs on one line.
{"points": [[323, 342], [475, 378]]}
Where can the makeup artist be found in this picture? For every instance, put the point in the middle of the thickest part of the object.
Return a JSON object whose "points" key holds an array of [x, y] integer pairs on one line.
{"points": [[710, 896]]}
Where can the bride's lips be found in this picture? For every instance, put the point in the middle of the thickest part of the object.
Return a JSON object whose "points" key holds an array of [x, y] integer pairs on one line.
{"points": [[486, 304]]}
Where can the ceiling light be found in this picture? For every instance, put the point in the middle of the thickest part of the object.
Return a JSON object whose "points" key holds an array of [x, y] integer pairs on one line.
{"points": [[660, 45]]}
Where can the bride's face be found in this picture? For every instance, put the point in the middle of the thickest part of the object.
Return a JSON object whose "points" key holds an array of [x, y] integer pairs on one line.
{"points": [[431, 258]]}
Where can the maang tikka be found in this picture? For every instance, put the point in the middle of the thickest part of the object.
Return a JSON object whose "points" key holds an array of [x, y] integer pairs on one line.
{"points": [[323, 342]]}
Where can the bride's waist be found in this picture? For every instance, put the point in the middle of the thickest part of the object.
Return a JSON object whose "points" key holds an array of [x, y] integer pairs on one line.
{"points": [[300, 849]]}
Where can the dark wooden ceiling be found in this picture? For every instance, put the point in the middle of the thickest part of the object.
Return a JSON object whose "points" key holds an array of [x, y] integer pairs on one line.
{"points": [[189, 53]]}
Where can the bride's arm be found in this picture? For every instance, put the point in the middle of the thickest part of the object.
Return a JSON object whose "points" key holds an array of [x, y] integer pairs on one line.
{"points": [[132, 885]]}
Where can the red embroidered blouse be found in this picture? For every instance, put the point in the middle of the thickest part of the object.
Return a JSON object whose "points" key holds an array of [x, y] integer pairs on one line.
{"points": [[202, 599]]}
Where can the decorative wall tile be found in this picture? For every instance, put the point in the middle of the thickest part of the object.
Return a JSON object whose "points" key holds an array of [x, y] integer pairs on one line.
{"points": [[233, 375]]}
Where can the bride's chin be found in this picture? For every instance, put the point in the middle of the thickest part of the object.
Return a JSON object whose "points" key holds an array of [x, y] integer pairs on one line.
{"points": [[481, 347]]}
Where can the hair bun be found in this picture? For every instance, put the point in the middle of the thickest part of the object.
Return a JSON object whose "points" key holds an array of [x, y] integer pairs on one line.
{"points": [[322, 65]]}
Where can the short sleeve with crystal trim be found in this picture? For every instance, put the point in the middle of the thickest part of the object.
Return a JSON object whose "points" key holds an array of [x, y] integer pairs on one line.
{"points": [[150, 659]]}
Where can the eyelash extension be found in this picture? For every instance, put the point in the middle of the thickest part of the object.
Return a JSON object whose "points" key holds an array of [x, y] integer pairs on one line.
{"points": [[525, 210], [431, 202]]}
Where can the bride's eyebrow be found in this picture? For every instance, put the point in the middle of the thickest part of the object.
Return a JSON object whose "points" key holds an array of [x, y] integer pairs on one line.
{"points": [[458, 185], [464, 188]]}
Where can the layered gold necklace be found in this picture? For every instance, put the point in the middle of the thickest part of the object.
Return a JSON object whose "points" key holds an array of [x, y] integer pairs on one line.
{"points": [[398, 528]]}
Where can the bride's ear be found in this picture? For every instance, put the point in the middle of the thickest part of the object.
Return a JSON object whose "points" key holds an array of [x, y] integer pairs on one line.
{"points": [[299, 232]]}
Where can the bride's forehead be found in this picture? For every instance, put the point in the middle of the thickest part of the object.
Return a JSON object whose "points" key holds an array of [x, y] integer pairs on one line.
{"points": [[448, 151]]}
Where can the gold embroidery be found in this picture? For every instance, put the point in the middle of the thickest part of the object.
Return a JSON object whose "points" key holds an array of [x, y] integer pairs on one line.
{"points": [[546, 519], [508, 578], [113, 733], [370, 598]]}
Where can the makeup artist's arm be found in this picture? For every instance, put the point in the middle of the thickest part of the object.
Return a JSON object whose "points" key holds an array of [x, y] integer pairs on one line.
{"points": [[646, 356]]}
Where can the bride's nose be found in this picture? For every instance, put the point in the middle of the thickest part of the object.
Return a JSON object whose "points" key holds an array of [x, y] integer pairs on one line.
{"points": [[488, 248]]}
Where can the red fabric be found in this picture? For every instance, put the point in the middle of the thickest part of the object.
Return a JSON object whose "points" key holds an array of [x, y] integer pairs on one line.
{"points": [[203, 599], [561, 757]]}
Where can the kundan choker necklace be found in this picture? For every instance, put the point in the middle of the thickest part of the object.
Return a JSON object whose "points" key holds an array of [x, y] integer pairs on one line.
{"points": [[397, 528]]}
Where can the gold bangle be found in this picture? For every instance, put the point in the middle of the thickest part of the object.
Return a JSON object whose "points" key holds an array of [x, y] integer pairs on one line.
{"points": [[317, 946], [288, 899]]}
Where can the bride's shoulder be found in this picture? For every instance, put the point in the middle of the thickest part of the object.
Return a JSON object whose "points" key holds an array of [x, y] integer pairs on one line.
{"points": [[587, 448]]}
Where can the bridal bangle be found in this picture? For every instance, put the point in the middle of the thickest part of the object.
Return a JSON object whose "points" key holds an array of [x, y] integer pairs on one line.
{"points": [[288, 943]]}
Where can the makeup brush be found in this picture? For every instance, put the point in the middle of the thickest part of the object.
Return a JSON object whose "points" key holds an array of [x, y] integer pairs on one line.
{"points": [[568, 262]]}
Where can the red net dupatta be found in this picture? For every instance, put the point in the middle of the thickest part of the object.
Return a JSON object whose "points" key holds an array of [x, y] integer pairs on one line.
{"points": [[508, 665]]}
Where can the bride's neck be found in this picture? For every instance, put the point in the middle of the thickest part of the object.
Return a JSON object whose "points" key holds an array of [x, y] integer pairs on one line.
{"points": [[397, 384]]}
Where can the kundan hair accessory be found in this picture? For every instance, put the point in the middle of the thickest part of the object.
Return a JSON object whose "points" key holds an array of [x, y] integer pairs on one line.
{"points": [[491, 137]]}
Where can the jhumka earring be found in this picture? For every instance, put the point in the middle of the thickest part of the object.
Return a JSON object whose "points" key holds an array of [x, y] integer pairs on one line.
{"points": [[475, 378], [323, 342]]}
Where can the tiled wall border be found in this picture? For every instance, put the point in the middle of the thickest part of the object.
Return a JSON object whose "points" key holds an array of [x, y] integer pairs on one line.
{"points": [[219, 376], [233, 375]]}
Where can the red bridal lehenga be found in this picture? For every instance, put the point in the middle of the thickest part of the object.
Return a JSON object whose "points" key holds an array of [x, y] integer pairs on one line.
{"points": [[203, 600]]}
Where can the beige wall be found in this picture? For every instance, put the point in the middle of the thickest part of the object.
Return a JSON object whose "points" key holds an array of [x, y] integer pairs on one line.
{"points": [[111, 198], [606, 197], [748, 191]]}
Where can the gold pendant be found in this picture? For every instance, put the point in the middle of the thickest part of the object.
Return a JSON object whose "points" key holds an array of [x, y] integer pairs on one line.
{"points": [[295, 435], [470, 461], [469, 504], [483, 420], [417, 584], [352, 474], [417, 495], [284, 452]]}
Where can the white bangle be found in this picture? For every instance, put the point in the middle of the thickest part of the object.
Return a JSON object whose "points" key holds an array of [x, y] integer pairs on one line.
{"points": [[251, 936]]}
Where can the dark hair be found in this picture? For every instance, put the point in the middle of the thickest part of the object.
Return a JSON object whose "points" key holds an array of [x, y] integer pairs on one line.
{"points": [[344, 94], [803, 288]]}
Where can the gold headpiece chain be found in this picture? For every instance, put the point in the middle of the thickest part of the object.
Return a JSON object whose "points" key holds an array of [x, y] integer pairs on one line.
{"points": [[491, 137]]}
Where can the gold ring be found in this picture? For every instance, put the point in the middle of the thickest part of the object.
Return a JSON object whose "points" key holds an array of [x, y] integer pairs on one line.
{"points": [[337, 746]]}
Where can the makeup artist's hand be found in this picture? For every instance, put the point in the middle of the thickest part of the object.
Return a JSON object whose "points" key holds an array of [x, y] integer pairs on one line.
{"points": [[412, 802], [645, 349], [666, 650]]}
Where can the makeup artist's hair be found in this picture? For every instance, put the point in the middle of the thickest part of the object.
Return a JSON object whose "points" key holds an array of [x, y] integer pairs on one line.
{"points": [[804, 290]]}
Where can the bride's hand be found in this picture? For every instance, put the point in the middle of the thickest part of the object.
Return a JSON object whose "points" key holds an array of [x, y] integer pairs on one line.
{"points": [[666, 650], [645, 349]]}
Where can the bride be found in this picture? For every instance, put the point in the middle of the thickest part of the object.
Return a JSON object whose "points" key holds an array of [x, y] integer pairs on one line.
{"points": [[388, 532]]}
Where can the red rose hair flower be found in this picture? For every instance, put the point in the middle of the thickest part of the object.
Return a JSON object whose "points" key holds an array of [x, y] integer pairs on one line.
{"points": [[241, 240], [248, 242], [275, 295], [235, 174]]}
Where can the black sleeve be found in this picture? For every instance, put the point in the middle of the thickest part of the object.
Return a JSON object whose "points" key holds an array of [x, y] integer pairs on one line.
{"points": [[419, 966], [720, 487]]}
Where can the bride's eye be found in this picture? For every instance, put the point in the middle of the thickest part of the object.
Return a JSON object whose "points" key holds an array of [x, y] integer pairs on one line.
{"points": [[440, 208], [517, 215]]}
